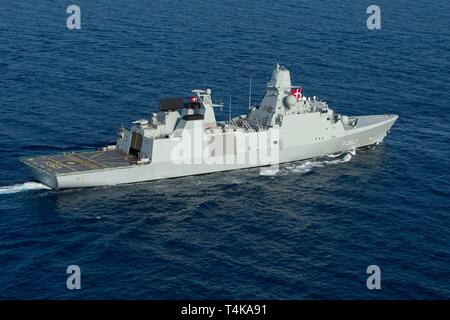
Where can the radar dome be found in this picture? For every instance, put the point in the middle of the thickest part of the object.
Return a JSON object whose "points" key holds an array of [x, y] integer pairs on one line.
{"points": [[291, 101]]}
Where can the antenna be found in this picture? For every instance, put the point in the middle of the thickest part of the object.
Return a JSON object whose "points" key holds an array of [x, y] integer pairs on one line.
{"points": [[250, 94], [229, 111]]}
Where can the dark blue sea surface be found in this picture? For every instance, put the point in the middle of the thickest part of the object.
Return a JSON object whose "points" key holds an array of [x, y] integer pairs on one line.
{"points": [[307, 232]]}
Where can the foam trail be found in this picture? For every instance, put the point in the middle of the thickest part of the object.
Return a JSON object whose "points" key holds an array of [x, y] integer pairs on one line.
{"points": [[23, 187], [334, 155], [346, 158], [269, 171], [309, 165]]}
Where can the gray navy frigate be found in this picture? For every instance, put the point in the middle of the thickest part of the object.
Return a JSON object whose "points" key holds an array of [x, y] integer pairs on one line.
{"points": [[185, 139]]}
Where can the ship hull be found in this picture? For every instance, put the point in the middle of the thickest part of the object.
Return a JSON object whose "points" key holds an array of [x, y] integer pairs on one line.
{"points": [[371, 130]]}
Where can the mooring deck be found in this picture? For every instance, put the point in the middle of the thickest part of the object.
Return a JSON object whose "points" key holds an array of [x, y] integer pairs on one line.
{"points": [[80, 161]]}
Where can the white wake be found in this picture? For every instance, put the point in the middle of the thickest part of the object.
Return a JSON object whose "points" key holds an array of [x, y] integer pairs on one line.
{"points": [[269, 171], [308, 165], [23, 187]]}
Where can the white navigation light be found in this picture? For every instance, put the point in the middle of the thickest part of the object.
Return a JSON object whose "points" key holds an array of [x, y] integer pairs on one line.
{"points": [[208, 91]]}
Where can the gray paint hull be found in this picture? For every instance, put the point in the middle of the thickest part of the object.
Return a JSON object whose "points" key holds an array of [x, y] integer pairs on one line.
{"points": [[355, 138], [284, 127]]}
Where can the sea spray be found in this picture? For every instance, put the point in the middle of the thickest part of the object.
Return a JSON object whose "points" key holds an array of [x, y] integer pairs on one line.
{"points": [[27, 186], [308, 165]]}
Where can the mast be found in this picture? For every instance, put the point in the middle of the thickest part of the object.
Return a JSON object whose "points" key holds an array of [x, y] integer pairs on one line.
{"points": [[229, 111], [250, 94]]}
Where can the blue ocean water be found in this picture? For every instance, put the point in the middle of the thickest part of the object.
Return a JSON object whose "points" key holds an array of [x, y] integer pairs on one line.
{"points": [[308, 232]]}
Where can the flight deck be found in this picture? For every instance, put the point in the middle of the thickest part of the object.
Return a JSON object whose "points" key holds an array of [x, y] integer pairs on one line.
{"points": [[80, 161]]}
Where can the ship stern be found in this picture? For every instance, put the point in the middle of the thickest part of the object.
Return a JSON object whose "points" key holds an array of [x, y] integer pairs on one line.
{"points": [[47, 178]]}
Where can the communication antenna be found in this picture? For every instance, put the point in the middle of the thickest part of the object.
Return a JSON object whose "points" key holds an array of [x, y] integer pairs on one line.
{"points": [[229, 111], [250, 94]]}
